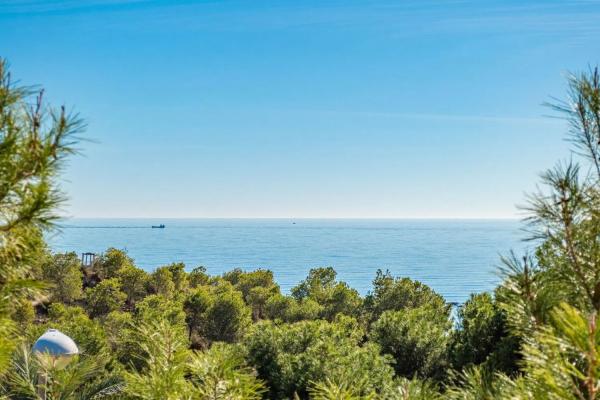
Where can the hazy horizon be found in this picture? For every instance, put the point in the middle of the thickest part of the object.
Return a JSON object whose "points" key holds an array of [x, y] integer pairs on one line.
{"points": [[298, 218]]}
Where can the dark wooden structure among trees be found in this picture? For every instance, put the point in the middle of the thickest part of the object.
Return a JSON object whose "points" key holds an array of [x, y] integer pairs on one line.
{"points": [[87, 259]]}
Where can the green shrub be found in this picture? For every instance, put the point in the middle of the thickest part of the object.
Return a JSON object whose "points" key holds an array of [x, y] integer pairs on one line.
{"points": [[105, 297], [63, 273], [292, 357], [417, 338]]}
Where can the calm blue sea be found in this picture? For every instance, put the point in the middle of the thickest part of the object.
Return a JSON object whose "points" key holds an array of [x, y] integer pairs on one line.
{"points": [[455, 257]]}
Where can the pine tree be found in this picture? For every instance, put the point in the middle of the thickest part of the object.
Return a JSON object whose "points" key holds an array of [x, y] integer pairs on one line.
{"points": [[35, 142]]}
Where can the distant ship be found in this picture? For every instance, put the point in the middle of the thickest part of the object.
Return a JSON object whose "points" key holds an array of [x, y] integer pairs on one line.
{"points": [[161, 226]]}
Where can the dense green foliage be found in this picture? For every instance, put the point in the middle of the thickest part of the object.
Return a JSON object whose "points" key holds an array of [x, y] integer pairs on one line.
{"points": [[292, 357], [482, 336], [34, 141], [417, 338], [63, 274], [174, 334]]}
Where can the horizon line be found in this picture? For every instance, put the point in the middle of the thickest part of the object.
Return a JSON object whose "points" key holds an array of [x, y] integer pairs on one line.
{"points": [[515, 218]]}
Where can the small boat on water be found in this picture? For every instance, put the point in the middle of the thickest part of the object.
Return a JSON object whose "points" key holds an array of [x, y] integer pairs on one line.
{"points": [[161, 226]]}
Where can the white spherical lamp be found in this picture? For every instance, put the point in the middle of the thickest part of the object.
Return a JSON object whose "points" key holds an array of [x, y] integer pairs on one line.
{"points": [[55, 349]]}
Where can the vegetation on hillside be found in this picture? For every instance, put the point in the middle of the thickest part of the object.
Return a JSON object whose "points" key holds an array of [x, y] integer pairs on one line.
{"points": [[179, 334]]}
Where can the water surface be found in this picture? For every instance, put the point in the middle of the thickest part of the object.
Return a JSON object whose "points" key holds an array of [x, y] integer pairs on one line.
{"points": [[455, 257]]}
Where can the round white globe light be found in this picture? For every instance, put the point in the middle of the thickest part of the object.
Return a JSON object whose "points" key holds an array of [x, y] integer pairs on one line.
{"points": [[55, 349]]}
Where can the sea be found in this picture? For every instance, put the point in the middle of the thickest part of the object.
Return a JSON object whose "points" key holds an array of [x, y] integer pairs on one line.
{"points": [[454, 257]]}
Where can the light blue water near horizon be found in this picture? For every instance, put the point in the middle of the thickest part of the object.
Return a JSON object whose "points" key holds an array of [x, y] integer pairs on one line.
{"points": [[454, 257]]}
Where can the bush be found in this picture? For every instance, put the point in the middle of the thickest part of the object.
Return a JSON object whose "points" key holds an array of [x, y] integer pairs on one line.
{"points": [[246, 281], [482, 336], [108, 264], [195, 306], [63, 272], [391, 294], [23, 314], [198, 277], [417, 338], [288, 309], [277, 306], [116, 325], [256, 288], [221, 373], [291, 357], [157, 307], [220, 313], [161, 282], [178, 276], [133, 283], [104, 297], [332, 297]]}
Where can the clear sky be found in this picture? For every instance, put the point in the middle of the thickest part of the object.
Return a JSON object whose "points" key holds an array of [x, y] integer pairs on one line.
{"points": [[329, 108]]}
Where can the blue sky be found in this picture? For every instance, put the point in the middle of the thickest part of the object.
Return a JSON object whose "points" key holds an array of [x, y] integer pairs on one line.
{"points": [[417, 109]]}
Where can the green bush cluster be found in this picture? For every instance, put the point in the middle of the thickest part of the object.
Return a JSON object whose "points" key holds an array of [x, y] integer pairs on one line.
{"points": [[321, 336]]}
